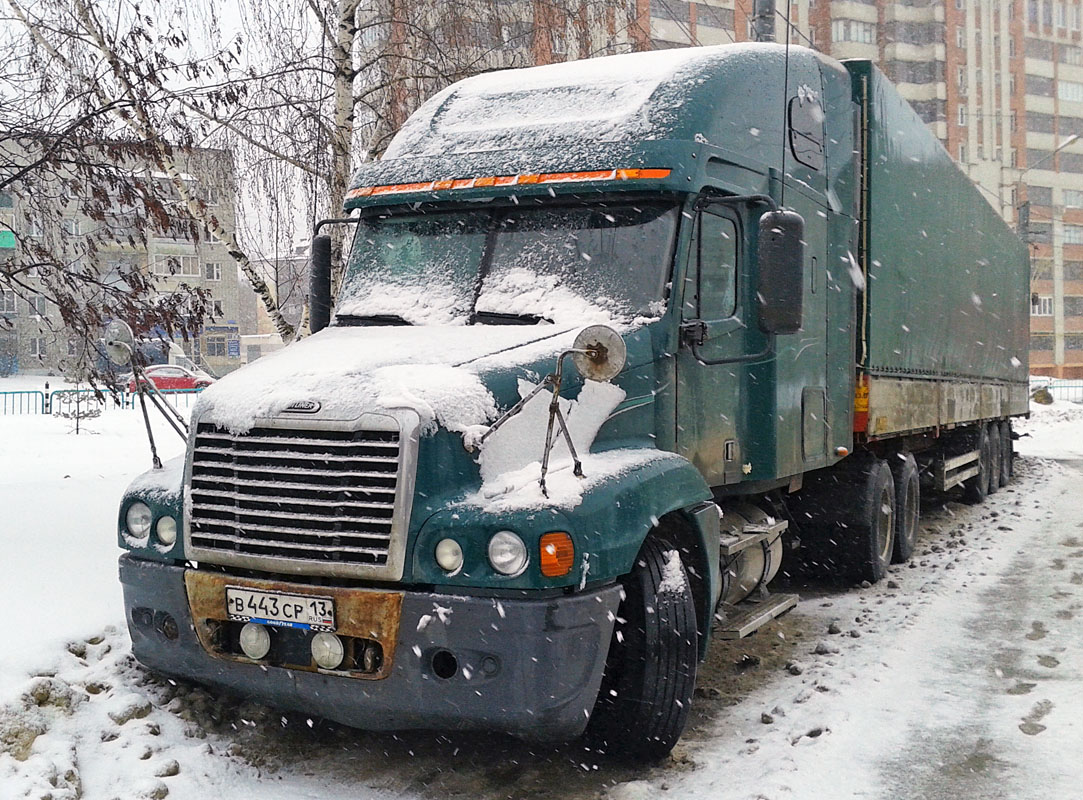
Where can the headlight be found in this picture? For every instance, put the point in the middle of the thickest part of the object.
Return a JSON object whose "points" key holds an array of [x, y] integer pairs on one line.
{"points": [[449, 555], [137, 520], [507, 553], [255, 641], [327, 650], [166, 530]]}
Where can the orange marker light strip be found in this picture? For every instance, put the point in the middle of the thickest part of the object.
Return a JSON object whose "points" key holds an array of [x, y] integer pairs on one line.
{"points": [[509, 180], [557, 554]]}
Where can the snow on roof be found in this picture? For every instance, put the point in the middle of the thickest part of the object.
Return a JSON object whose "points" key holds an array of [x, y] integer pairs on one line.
{"points": [[577, 102]]}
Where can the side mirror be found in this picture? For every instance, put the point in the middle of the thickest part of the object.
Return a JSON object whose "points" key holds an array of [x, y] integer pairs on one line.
{"points": [[780, 290], [319, 284]]}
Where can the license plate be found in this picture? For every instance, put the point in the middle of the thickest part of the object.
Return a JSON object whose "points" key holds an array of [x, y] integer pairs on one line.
{"points": [[283, 610]]}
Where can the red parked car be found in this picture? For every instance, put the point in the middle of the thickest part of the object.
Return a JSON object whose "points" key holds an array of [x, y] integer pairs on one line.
{"points": [[170, 376]]}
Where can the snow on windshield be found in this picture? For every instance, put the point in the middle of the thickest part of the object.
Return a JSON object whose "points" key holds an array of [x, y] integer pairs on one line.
{"points": [[565, 264]]}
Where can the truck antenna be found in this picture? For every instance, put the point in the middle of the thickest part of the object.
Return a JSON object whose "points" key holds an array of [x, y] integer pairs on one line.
{"points": [[785, 96]]}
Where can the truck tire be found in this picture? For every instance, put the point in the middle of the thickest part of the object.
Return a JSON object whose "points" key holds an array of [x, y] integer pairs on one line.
{"points": [[870, 529], [650, 672], [976, 488], [1007, 454], [839, 516], [993, 435], [904, 472]]}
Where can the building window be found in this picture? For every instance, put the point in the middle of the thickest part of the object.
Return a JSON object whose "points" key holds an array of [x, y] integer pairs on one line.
{"points": [[1070, 91], [216, 309], [37, 305], [1062, 15], [73, 348], [69, 226], [216, 346], [960, 37], [38, 346], [185, 266], [960, 5], [6, 200], [1041, 341], [1011, 48], [850, 30], [1032, 12], [1013, 158], [1073, 270], [962, 116], [962, 152], [1073, 234], [1076, 14], [1041, 305], [961, 80], [8, 302], [212, 271], [1073, 198], [1071, 55]]}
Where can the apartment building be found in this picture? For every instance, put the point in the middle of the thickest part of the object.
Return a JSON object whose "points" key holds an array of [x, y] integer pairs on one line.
{"points": [[1000, 83], [33, 338]]}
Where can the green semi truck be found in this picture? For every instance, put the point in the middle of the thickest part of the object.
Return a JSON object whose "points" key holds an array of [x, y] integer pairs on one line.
{"points": [[611, 335]]}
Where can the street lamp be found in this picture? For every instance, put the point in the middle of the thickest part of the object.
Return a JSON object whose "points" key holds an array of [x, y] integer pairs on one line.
{"points": [[1022, 210]]}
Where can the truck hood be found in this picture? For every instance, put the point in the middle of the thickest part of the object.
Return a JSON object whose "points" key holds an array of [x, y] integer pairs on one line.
{"points": [[342, 372]]}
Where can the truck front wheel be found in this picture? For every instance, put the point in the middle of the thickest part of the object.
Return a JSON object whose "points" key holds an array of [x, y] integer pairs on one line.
{"points": [[650, 671]]}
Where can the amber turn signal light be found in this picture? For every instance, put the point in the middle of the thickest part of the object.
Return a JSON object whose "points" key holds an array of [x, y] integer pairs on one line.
{"points": [[557, 554]]}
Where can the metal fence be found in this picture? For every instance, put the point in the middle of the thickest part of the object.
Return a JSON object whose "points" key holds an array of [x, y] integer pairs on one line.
{"points": [[28, 402], [67, 400], [1072, 391]]}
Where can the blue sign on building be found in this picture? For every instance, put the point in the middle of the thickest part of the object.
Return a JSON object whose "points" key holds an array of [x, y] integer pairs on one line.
{"points": [[233, 348]]}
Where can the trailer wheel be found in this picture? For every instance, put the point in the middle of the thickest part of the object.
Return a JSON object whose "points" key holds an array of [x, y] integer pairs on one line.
{"points": [[872, 524], [845, 516], [904, 472], [650, 671], [1007, 452], [993, 435], [976, 488]]}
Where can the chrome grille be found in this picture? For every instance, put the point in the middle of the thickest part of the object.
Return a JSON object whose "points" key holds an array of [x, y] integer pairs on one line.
{"points": [[313, 501]]}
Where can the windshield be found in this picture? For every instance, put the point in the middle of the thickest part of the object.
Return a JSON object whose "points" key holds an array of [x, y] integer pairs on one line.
{"points": [[565, 264]]}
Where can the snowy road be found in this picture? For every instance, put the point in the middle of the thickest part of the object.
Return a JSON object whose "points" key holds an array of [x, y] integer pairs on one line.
{"points": [[961, 676]]}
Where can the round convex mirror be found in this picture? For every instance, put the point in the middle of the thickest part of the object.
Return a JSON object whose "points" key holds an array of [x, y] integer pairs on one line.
{"points": [[119, 342], [601, 355]]}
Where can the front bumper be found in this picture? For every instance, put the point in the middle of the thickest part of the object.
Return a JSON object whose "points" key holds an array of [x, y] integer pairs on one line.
{"points": [[531, 668]]}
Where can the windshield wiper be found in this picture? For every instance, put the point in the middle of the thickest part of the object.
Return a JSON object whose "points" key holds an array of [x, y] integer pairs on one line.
{"points": [[501, 318], [371, 319]]}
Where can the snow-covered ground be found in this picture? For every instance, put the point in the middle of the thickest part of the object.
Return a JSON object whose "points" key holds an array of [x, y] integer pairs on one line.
{"points": [[959, 676]]}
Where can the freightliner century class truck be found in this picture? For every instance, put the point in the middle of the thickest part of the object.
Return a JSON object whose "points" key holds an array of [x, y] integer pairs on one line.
{"points": [[611, 338]]}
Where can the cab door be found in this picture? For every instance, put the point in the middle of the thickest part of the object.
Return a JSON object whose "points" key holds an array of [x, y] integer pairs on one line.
{"points": [[713, 336]]}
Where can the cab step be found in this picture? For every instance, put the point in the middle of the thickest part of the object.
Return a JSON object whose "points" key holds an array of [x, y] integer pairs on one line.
{"points": [[748, 617]]}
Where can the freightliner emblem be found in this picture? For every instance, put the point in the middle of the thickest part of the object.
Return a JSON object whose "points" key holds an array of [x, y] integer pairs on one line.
{"points": [[303, 407]]}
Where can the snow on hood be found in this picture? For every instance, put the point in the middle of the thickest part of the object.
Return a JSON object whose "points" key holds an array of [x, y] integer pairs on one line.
{"points": [[351, 370], [510, 458]]}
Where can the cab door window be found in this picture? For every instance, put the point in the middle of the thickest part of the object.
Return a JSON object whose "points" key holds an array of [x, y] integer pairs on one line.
{"points": [[716, 288]]}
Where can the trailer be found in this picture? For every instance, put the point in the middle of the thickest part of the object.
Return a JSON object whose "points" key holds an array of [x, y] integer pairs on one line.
{"points": [[610, 335]]}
